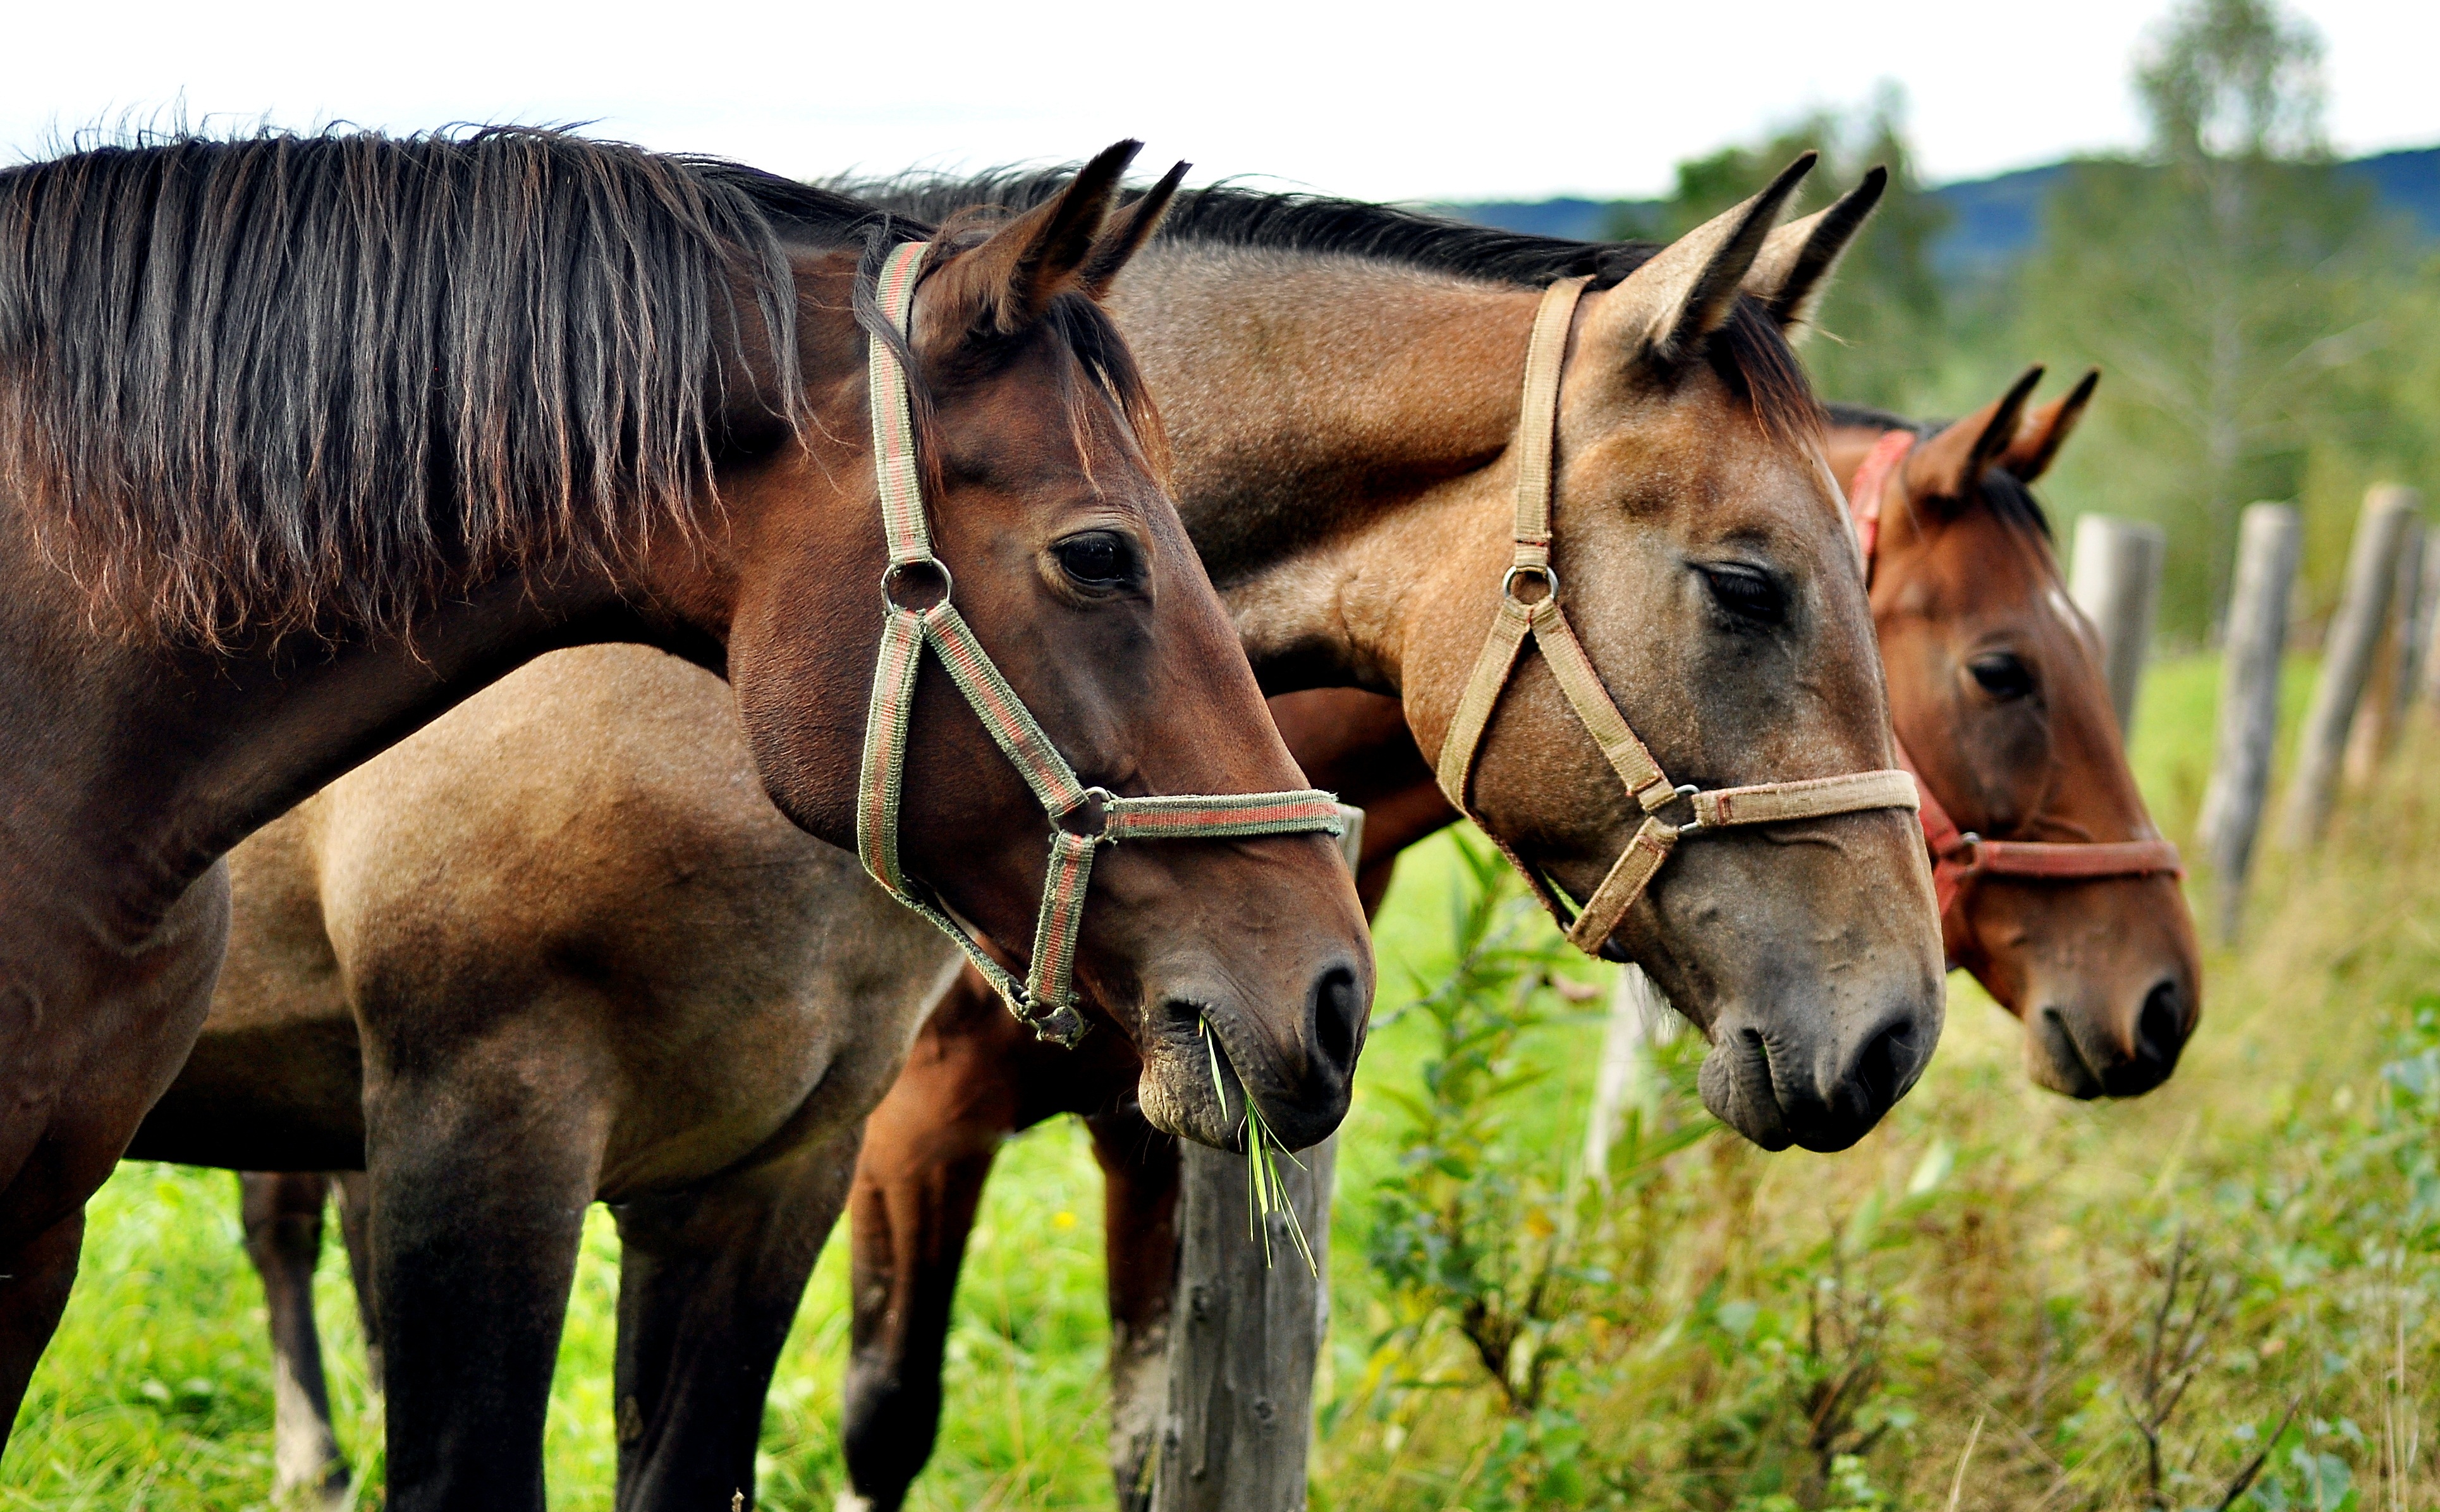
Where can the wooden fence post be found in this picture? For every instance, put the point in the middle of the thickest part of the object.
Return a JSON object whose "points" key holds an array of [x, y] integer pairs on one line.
{"points": [[2268, 542], [1640, 1017], [1247, 1327], [1244, 1338], [2392, 665], [2348, 652], [2428, 635], [2116, 582]]}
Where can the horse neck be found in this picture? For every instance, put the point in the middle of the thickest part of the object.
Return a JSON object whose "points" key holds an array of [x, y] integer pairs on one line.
{"points": [[1334, 422], [127, 769]]}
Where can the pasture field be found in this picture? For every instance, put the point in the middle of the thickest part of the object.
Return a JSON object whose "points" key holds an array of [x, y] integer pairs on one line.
{"points": [[2000, 1299]]}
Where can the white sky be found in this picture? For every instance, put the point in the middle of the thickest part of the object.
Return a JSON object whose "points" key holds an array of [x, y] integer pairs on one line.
{"points": [[1423, 100]]}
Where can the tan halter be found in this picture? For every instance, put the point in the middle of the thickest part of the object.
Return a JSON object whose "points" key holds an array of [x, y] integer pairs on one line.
{"points": [[1717, 808]]}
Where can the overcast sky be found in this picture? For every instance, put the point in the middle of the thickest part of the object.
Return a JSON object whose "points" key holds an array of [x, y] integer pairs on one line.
{"points": [[1417, 101]]}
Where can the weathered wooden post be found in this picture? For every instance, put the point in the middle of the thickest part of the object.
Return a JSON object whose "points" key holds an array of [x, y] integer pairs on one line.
{"points": [[1244, 1338], [2116, 582], [2427, 662], [1245, 1330], [2393, 664], [2347, 653], [1640, 1017], [2427, 635], [2270, 540]]}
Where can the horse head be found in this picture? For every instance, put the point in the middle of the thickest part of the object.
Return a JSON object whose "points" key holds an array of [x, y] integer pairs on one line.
{"points": [[1996, 688], [1237, 962]]}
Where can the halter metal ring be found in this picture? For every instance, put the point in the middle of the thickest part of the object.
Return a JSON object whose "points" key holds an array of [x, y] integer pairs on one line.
{"points": [[1094, 807], [1687, 791], [1545, 571], [893, 579]]}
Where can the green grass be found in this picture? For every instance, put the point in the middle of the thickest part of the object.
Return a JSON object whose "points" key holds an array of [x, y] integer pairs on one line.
{"points": [[2010, 1289]]}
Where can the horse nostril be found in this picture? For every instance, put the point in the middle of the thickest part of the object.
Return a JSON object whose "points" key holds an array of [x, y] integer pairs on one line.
{"points": [[1338, 1008], [2160, 1028], [1883, 1065]]}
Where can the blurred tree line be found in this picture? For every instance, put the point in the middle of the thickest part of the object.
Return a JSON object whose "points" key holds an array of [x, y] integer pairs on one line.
{"points": [[2264, 330]]}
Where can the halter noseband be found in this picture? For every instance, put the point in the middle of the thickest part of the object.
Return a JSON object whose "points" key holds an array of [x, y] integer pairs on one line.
{"points": [[1082, 818], [1960, 856], [1715, 808]]}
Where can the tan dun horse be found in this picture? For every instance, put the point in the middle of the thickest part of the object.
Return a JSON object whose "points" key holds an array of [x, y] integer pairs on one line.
{"points": [[1360, 517], [1997, 691], [309, 439]]}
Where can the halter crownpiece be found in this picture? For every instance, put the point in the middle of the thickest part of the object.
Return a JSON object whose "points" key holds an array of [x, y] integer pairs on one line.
{"points": [[1082, 818], [1960, 856], [1547, 625]]}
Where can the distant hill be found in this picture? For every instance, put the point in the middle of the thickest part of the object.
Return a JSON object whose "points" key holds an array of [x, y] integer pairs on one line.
{"points": [[1991, 220]]}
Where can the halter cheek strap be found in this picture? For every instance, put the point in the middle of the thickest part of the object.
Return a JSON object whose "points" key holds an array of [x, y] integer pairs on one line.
{"points": [[1541, 621], [1958, 856], [1082, 818]]}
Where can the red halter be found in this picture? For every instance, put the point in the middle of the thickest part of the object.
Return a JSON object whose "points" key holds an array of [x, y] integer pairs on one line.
{"points": [[1958, 857]]}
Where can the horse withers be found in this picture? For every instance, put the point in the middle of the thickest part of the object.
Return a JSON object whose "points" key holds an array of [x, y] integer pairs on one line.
{"points": [[307, 439]]}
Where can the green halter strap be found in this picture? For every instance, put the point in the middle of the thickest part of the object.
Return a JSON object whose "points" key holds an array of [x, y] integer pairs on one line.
{"points": [[1082, 818]]}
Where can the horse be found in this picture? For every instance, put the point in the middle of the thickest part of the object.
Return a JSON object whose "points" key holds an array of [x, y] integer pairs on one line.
{"points": [[1749, 582], [1997, 689], [304, 439]]}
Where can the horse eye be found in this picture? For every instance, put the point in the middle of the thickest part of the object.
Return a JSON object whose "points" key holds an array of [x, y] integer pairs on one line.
{"points": [[1097, 559], [1747, 593], [2002, 676]]}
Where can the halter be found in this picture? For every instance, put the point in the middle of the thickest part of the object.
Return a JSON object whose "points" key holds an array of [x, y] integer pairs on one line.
{"points": [[1960, 856], [1541, 618], [1082, 818]]}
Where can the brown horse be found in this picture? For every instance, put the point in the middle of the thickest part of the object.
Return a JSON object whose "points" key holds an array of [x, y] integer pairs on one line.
{"points": [[309, 439], [1997, 689], [1715, 562]]}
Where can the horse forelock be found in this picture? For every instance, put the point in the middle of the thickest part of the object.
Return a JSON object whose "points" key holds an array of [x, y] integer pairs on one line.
{"points": [[286, 382]]}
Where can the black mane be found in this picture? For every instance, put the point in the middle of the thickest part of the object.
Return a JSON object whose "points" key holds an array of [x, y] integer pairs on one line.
{"points": [[1748, 353], [323, 379], [2003, 493]]}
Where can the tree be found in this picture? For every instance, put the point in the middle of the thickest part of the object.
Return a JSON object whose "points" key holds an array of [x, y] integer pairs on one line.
{"points": [[2226, 283]]}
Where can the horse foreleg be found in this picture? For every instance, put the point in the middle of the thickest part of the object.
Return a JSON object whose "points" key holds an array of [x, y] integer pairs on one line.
{"points": [[913, 1206], [709, 1283], [283, 1238], [1140, 1179], [90, 1037]]}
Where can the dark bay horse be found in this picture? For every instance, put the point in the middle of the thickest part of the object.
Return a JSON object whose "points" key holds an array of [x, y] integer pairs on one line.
{"points": [[1363, 514], [306, 440], [1996, 687]]}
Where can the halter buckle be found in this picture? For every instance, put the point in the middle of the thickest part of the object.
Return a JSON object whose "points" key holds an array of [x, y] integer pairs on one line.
{"points": [[1541, 569], [893, 580], [1969, 846], [1092, 811]]}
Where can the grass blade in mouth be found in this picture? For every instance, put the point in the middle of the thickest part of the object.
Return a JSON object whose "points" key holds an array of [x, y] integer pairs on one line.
{"points": [[1265, 1196]]}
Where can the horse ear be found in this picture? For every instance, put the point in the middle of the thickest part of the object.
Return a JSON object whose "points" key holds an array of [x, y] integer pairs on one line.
{"points": [[1792, 271], [1006, 284], [1124, 234], [1952, 464], [2046, 430], [1661, 312]]}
